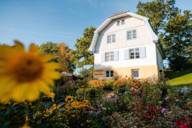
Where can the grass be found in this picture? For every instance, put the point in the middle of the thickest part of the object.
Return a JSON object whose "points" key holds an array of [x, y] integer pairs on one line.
{"points": [[180, 78]]}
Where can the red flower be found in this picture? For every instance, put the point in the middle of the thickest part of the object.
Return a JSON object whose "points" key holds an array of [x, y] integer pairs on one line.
{"points": [[178, 123], [133, 91], [183, 126]]}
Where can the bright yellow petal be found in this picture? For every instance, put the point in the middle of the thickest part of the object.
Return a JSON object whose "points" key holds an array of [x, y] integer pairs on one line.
{"points": [[18, 94], [32, 92], [49, 77], [6, 85], [52, 66], [44, 87], [33, 48], [47, 57], [5, 98]]}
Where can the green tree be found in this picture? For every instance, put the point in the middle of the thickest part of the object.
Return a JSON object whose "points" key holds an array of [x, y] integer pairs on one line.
{"points": [[49, 48], [83, 57], [173, 27], [178, 39], [158, 12], [63, 55]]}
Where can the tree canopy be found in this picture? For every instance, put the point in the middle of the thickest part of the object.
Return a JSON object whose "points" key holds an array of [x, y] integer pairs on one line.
{"points": [[82, 54], [174, 28], [63, 54]]}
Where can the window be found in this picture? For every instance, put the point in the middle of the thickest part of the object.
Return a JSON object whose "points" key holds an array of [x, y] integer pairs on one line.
{"points": [[109, 56], [131, 54], [137, 54], [135, 73], [109, 74], [122, 22], [134, 53], [108, 39], [111, 38], [131, 34], [118, 22]]}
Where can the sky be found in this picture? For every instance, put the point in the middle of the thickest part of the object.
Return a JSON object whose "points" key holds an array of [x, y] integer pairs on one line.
{"points": [[39, 21]]}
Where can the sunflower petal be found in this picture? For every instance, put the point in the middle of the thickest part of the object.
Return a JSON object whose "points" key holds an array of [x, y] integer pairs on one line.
{"points": [[18, 45], [33, 48], [33, 94], [48, 57], [52, 66]]}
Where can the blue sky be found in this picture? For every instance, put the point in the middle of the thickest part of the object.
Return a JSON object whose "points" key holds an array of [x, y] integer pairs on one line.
{"points": [[58, 20]]}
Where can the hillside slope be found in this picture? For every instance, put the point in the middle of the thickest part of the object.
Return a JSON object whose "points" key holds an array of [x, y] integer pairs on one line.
{"points": [[180, 78]]}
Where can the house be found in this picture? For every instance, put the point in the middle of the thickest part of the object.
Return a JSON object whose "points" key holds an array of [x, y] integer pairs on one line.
{"points": [[125, 45]]}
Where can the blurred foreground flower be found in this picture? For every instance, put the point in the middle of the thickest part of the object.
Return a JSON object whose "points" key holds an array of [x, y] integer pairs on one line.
{"points": [[69, 99], [24, 75]]}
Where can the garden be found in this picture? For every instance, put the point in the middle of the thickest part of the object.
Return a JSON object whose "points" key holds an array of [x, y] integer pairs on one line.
{"points": [[38, 88], [32, 95]]}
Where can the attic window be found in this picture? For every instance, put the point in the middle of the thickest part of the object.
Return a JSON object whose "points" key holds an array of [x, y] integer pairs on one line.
{"points": [[118, 22], [122, 22]]}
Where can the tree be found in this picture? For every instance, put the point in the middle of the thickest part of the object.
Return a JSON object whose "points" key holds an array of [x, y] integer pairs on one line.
{"points": [[158, 12], [82, 54], [66, 58], [173, 27], [178, 39], [63, 54]]}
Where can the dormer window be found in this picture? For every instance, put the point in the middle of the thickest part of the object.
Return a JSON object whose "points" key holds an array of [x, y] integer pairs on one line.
{"points": [[111, 38], [122, 22], [118, 22], [131, 34]]}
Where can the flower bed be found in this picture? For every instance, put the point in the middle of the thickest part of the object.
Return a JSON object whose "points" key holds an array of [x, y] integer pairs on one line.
{"points": [[108, 104]]}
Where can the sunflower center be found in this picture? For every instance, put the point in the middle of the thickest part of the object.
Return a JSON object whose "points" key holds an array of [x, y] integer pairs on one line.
{"points": [[27, 68]]}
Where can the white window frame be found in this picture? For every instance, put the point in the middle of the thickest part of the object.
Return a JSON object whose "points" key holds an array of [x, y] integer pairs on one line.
{"points": [[111, 38], [131, 34], [109, 56], [134, 53], [109, 73], [135, 72]]}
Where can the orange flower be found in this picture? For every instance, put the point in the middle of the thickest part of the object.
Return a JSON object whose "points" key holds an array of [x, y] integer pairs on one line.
{"points": [[96, 83]]}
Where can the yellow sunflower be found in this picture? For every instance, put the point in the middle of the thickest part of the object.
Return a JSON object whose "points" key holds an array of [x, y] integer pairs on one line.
{"points": [[25, 74], [69, 99]]}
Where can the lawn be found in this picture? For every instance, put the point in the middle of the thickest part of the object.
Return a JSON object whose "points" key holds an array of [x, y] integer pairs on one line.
{"points": [[180, 78]]}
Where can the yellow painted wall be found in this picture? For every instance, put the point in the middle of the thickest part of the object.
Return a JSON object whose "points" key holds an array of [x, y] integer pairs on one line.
{"points": [[145, 72]]}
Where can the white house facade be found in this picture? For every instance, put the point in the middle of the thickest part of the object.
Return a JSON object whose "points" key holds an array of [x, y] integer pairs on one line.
{"points": [[125, 45]]}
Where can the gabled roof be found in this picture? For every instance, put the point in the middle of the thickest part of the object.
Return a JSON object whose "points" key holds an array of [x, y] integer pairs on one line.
{"points": [[114, 17]]}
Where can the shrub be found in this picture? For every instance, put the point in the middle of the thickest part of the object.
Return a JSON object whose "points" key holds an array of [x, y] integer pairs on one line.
{"points": [[92, 94], [96, 83]]}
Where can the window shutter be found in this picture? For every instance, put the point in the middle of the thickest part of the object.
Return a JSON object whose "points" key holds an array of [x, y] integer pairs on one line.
{"points": [[116, 56], [142, 52], [126, 54], [113, 38], [102, 57]]}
